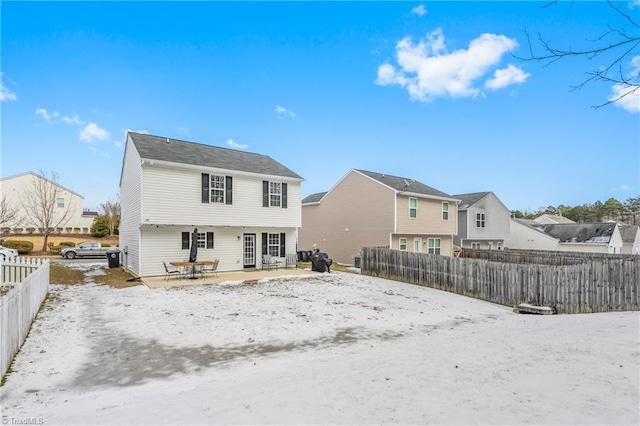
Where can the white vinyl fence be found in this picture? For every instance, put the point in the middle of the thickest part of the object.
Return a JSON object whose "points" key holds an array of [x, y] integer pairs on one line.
{"points": [[28, 283]]}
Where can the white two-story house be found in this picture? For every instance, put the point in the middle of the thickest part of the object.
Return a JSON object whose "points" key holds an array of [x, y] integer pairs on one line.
{"points": [[242, 204]]}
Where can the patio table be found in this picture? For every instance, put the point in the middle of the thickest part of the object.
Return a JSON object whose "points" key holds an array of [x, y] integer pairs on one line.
{"points": [[193, 266]]}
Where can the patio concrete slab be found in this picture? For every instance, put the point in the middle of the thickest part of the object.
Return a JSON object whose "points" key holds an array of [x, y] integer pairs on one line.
{"points": [[250, 275]]}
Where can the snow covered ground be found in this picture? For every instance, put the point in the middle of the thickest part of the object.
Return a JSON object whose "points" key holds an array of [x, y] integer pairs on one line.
{"points": [[320, 349]]}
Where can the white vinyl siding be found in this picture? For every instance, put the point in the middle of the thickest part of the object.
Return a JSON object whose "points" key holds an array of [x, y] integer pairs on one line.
{"points": [[131, 210], [173, 196]]}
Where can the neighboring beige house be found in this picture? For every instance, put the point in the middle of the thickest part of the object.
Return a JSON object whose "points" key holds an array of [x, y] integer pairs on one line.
{"points": [[580, 237], [366, 209], [483, 221], [630, 238], [548, 219], [79, 220], [243, 205]]}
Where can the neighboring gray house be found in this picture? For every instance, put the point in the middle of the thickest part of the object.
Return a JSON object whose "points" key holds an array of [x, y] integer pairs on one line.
{"points": [[242, 204], [483, 221], [581, 237], [630, 238]]}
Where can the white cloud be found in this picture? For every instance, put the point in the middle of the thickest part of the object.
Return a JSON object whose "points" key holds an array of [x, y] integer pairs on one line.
{"points": [[47, 116], [419, 10], [234, 144], [625, 96], [282, 112], [91, 132], [427, 70], [506, 77], [634, 3], [5, 93], [72, 120], [625, 188]]}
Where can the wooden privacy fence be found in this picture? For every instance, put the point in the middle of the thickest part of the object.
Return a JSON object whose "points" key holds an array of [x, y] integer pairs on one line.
{"points": [[590, 286], [19, 306]]}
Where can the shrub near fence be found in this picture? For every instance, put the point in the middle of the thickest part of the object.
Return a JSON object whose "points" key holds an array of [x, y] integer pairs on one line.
{"points": [[19, 306], [594, 286]]}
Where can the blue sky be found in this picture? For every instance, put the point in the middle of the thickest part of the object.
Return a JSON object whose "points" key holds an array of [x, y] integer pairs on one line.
{"points": [[423, 90]]}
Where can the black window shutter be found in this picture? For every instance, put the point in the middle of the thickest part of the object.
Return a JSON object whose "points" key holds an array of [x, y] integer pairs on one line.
{"points": [[265, 193], [283, 245], [185, 241], [284, 195], [205, 187], [264, 243], [209, 240], [228, 188]]}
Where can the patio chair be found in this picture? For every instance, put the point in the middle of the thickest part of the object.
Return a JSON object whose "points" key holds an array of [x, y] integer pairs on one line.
{"points": [[290, 260], [171, 270], [268, 262], [210, 269]]}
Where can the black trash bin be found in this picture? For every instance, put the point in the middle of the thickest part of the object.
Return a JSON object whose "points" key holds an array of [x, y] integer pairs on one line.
{"points": [[356, 262], [113, 256]]}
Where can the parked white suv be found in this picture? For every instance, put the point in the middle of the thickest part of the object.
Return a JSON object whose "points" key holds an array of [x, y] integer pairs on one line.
{"points": [[7, 253]]}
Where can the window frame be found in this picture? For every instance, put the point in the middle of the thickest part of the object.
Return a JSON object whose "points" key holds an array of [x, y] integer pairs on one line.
{"points": [[481, 220], [275, 194], [220, 191], [400, 240], [413, 209], [445, 211], [273, 244], [476, 246], [434, 249], [60, 202]]}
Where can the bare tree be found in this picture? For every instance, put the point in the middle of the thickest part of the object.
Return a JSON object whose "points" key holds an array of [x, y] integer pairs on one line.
{"points": [[44, 204], [111, 211], [620, 43], [9, 214]]}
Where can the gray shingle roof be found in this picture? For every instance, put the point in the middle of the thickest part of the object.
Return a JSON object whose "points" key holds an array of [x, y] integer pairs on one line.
{"points": [[166, 149], [580, 232], [628, 233], [405, 184], [313, 198], [467, 200]]}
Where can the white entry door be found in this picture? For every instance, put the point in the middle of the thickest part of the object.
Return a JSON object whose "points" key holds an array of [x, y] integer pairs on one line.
{"points": [[417, 245], [249, 251]]}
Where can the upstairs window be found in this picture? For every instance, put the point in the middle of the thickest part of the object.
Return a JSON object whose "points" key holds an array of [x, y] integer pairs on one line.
{"points": [[445, 210], [60, 203], [274, 194], [413, 208], [480, 220], [217, 189]]}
